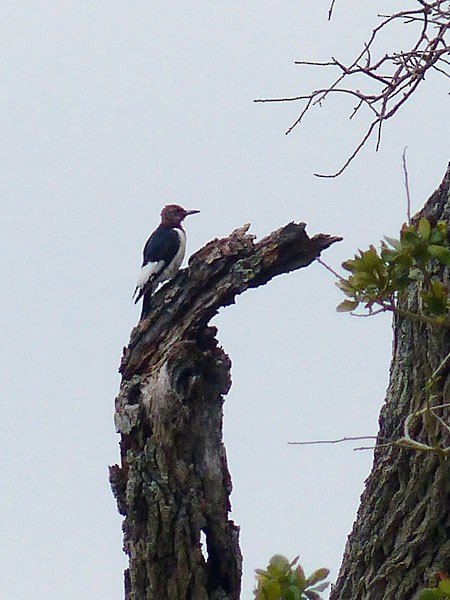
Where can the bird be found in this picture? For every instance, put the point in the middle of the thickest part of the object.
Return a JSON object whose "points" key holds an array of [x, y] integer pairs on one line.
{"points": [[163, 254]]}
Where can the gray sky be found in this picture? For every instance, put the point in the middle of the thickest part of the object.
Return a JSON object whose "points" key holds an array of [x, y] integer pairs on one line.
{"points": [[109, 111]]}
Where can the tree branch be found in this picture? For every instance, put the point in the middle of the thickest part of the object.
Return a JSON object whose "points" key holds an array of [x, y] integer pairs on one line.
{"points": [[218, 273], [396, 75]]}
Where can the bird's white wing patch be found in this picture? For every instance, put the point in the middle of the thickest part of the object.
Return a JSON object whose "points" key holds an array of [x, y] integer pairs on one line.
{"points": [[151, 268], [175, 264]]}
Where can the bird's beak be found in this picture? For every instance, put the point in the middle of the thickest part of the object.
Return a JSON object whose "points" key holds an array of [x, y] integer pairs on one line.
{"points": [[192, 212]]}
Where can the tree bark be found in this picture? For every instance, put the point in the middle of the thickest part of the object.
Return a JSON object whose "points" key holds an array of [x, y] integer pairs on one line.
{"points": [[173, 482], [401, 537]]}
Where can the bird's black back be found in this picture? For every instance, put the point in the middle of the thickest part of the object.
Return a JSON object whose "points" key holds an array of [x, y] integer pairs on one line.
{"points": [[162, 245]]}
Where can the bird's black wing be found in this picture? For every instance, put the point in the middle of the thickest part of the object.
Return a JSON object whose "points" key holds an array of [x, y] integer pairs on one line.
{"points": [[163, 244]]}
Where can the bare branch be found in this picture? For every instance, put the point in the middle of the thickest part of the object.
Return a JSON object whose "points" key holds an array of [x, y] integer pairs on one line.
{"points": [[408, 196], [441, 71], [330, 269], [344, 439], [371, 313], [395, 75], [354, 153], [330, 10]]}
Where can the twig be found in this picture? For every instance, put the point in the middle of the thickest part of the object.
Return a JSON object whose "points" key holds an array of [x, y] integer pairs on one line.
{"points": [[376, 447], [421, 318], [396, 75], [408, 196], [344, 439], [371, 313], [330, 269], [353, 155], [441, 369], [330, 10], [391, 307]]}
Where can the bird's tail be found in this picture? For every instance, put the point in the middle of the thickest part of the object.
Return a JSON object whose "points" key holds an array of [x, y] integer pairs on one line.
{"points": [[146, 304], [141, 291]]}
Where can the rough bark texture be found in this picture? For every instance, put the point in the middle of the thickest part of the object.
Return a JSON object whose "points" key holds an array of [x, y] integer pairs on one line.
{"points": [[173, 481], [401, 537]]}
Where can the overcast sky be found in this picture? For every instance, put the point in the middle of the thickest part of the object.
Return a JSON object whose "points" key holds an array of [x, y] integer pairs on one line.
{"points": [[111, 109]]}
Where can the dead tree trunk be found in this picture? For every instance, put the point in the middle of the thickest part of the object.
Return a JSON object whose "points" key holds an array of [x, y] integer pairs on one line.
{"points": [[173, 482], [401, 538]]}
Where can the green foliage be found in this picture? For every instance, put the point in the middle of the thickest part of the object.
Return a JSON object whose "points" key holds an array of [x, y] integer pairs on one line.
{"points": [[378, 278], [283, 580], [441, 592]]}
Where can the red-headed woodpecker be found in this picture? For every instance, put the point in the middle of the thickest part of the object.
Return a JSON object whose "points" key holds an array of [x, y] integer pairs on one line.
{"points": [[163, 253]]}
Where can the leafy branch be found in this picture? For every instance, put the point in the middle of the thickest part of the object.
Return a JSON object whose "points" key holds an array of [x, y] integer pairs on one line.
{"points": [[284, 580], [379, 278], [440, 592]]}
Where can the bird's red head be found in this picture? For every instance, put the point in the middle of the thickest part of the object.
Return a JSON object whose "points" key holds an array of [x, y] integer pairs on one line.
{"points": [[173, 214]]}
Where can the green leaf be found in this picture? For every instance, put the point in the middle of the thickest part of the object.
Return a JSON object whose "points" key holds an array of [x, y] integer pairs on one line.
{"points": [[268, 589], [346, 287], [439, 234], [438, 288], [429, 594], [317, 576], [436, 300], [300, 577], [370, 261], [292, 593], [393, 242], [409, 237], [424, 228], [278, 565], [347, 305], [347, 265], [441, 253], [283, 580], [444, 586], [390, 256], [321, 587]]}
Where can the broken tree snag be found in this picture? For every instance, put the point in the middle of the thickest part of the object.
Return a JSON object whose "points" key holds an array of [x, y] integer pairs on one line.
{"points": [[174, 482]]}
